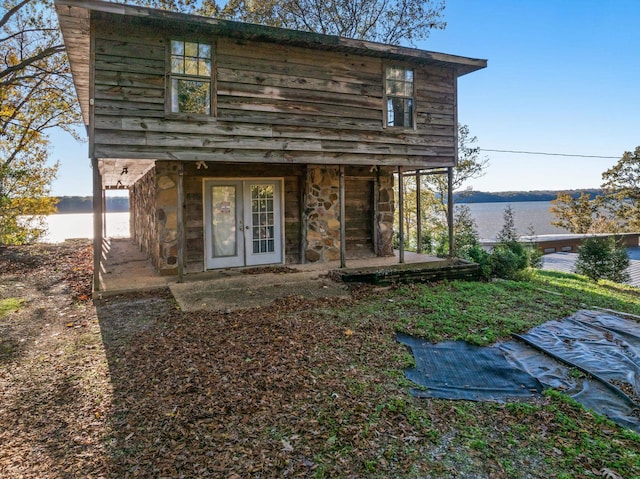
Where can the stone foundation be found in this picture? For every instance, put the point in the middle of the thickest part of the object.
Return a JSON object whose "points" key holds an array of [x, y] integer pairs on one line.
{"points": [[143, 217]]}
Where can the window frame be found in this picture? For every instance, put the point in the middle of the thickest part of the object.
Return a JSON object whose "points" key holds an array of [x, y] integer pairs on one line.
{"points": [[170, 76], [387, 96]]}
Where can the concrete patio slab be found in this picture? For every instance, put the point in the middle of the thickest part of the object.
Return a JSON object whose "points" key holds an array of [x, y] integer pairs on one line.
{"points": [[231, 290]]}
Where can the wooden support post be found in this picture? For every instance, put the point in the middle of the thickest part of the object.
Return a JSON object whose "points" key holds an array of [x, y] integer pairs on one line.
{"points": [[418, 213], [343, 226], [452, 249], [401, 213], [302, 183], [104, 213], [376, 213], [180, 221], [132, 215], [97, 224]]}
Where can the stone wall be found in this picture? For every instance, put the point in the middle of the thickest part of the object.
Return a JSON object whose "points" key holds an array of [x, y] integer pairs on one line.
{"points": [[143, 217], [322, 212], [386, 209], [313, 222], [155, 222], [167, 216]]}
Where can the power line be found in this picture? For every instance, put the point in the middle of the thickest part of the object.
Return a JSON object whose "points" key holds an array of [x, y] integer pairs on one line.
{"points": [[551, 154]]}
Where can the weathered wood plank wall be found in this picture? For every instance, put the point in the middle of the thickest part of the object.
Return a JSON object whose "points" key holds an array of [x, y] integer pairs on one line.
{"points": [[275, 104]]}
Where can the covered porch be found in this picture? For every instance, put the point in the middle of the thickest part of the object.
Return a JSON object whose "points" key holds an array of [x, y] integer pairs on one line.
{"points": [[180, 240], [123, 268]]}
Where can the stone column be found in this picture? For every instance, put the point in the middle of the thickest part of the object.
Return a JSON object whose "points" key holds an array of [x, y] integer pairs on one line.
{"points": [[167, 216], [321, 214], [385, 212]]}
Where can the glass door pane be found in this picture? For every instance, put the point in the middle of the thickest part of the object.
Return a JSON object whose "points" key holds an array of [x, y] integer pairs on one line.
{"points": [[223, 221], [262, 219]]}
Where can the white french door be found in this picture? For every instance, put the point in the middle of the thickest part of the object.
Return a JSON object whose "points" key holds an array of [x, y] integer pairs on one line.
{"points": [[243, 222]]}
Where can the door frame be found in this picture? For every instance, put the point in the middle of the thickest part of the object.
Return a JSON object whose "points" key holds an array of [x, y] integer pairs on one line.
{"points": [[206, 213]]}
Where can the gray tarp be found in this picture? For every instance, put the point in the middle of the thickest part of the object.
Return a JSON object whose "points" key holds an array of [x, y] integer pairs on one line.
{"points": [[457, 370], [605, 347]]}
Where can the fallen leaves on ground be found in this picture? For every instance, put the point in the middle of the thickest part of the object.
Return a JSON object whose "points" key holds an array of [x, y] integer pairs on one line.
{"points": [[130, 386]]}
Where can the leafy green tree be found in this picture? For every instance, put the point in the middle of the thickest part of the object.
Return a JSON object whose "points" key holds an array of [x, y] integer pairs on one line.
{"points": [[433, 191], [602, 258], [508, 232], [573, 214], [582, 215], [622, 186], [36, 95], [465, 233]]}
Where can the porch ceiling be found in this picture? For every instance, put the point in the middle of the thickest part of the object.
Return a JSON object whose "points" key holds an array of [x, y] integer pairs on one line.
{"points": [[122, 173]]}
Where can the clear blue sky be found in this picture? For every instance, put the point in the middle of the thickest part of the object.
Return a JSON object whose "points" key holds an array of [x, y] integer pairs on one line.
{"points": [[563, 77]]}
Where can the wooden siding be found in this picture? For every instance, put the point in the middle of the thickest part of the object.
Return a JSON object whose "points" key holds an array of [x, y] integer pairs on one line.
{"points": [[359, 216], [275, 104]]}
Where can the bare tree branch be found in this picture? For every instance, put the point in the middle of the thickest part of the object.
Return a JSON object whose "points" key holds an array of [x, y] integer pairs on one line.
{"points": [[11, 12]]}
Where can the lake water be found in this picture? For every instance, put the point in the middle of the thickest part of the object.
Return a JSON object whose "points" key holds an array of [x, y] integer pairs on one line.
{"points": [[488, 217], [80, 225]]}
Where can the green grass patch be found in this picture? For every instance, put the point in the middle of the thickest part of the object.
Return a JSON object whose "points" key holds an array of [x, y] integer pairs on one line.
{"points": [[10, 305], [554, 437], [484, 312]]}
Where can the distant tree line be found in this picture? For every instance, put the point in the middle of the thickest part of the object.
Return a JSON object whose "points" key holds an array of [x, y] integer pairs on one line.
{"points": [[84, 204], [616, 210], [517, 196]]}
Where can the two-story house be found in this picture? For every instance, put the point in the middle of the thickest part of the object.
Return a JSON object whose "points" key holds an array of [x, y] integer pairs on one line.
{"points": [[245, 145]]}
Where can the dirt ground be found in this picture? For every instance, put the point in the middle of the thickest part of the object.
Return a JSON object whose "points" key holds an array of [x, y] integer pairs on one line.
{"points": [[130, 386]]}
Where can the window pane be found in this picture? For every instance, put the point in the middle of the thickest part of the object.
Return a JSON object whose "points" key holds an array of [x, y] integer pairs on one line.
{"points": [[395, 87], [408, 89], [205, 51], [394, 73], [391, 121], [190, 66], [400, 112], [191, 96], [408, 112], [177, 64], [177, 47], [223, 226], [174, 96], [408, 75], [204, 68], [191, 49]]}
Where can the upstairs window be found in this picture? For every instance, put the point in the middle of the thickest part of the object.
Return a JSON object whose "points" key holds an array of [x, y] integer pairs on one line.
{"points": [[399, 92], [190, 77]]}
